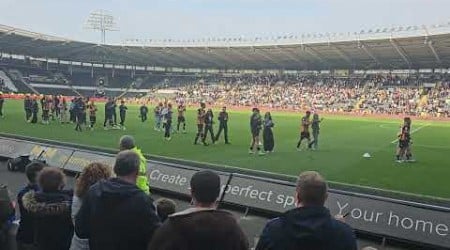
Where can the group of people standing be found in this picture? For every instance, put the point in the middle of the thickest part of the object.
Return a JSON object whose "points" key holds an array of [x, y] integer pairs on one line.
{"points": [[258, 123], [111, 114], [205, 122], [52, 107]]}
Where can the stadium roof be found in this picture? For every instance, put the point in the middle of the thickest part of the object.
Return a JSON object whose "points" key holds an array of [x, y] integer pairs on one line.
{"points": [[412, 47]]}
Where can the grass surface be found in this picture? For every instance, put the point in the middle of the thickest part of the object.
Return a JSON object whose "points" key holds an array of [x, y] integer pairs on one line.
{"points": [[343, 141]]}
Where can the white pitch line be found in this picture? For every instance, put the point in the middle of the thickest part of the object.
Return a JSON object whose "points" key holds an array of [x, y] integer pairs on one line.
{"points": [[413, 131]]}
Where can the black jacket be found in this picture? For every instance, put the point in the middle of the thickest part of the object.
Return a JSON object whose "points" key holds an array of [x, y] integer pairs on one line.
{"points": [[50, 212], [25, 232], [307, 228], [200, 229], [116, 215]]}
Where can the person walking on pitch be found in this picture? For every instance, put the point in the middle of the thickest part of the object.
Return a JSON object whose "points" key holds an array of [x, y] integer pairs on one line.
{"points": [[223, 125]]}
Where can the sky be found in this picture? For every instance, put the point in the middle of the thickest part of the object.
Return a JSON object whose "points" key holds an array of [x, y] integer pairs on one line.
{"points": [[197, 19]]}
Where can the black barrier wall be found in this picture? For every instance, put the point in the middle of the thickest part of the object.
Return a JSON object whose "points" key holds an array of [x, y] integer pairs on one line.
{"points": [[380, 216]]}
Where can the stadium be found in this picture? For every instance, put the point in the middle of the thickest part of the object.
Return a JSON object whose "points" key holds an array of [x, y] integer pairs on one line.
{"points": [[361, 84]]}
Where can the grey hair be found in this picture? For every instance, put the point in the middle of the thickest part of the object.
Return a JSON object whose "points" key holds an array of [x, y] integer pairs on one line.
{"points": [[127, 162], [127, 142]]}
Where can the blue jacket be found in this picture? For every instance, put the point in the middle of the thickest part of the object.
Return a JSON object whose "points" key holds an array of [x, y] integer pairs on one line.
{"points": [[307, 228]]}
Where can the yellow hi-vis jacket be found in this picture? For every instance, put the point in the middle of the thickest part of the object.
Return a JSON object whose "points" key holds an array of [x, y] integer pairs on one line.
{"points": [[142, 180]]}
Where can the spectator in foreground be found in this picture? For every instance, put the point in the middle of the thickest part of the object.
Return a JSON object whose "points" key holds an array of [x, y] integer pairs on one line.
{"points": [[25, 232], [116, 214], [127, 143], [91, 174], [202, 227], [309, 226], [164, 208], [50, 211]]}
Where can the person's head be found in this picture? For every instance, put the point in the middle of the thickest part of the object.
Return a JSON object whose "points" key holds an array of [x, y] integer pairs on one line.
{"points": [[205, 188], [255, 110], [126, 166], [267, 116], [126, 142], [90, 175], [311, 190], [224, 109], [308, 113], [316, 116], [407, 121], [165, 207], [51, 180], [202, 105], [32, 170], [122, 102]]}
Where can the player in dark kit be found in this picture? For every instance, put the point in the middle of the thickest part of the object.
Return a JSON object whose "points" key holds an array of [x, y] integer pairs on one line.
{"points": [[143, 111], [34, 110], [56, 101], [223, 125], [255, 128], [168, 119], [92, 114], [108, 113], [45, 110], [181, 117], [200, 123], [114, 111], [80, 111], [122, 113], [304, 131], [209, 120], [2, 101], [404, 142], [27, 105], [315, 125]]}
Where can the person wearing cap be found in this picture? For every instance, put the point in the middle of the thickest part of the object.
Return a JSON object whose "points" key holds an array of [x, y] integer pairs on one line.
{"points": [[127, 142], [310, 225], [2, 100], [202, 226], [223, 125]]}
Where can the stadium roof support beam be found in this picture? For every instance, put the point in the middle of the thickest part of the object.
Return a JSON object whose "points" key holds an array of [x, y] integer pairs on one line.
{"points": [[220, 56], [370, 54], [433, 50], [258, 51], [429, 42], [291, 57], [314, 54], [400, 51], [195, 52], [341, 54]]}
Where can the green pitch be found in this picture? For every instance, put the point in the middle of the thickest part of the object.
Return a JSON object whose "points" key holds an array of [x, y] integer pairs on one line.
{"points": [[343, 141]]}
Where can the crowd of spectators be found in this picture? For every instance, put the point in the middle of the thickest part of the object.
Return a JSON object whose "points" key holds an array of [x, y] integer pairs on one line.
{"points": [[368, 95], [107, 210]]}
